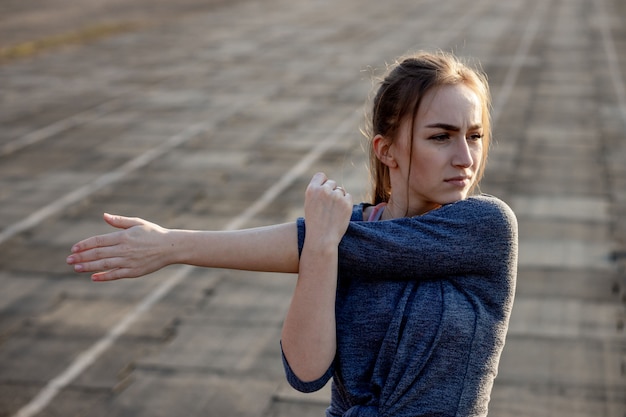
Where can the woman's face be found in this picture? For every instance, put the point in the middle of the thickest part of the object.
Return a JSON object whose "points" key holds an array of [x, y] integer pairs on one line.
{"points": [[447, 150]]}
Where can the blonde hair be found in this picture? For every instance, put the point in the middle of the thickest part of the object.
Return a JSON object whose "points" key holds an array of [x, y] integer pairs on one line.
{"points": [[399, 95]]}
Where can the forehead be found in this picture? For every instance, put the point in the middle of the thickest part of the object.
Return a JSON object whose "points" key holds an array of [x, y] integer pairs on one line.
{"points": [[457, 105]]}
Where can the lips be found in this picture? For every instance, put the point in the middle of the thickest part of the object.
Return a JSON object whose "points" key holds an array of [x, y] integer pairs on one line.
{"points": [[460, 181]]}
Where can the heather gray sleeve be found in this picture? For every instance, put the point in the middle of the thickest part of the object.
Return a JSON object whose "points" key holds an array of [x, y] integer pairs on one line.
{"points": [[476, 236]]}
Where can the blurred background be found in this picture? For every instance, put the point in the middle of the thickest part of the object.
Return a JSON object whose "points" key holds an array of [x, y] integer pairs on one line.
{"points": [[213, 115]]}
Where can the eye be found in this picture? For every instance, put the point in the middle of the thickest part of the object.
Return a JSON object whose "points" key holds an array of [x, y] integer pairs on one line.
{"points": [[476, 136], [442, 137]]}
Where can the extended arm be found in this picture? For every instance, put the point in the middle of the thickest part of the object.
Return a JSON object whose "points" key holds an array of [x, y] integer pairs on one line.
{"points": [[142, 247]]}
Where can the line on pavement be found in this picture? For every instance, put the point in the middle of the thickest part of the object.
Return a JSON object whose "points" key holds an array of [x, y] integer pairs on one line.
{"points": [[620, 92], [104, 180], [612, 58], [80, 36], [521, 54], [59, 126]]}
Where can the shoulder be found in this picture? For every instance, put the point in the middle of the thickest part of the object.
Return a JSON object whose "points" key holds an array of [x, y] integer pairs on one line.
{"points": [[481, 202], [484, 207], [483, 216], [479, 215]]}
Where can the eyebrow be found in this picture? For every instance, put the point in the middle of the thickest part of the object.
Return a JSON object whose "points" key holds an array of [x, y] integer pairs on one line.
{"points": [[452, 128]]}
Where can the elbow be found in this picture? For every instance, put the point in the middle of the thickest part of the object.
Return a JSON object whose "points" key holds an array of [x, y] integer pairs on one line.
{"points": [[306, 375]]}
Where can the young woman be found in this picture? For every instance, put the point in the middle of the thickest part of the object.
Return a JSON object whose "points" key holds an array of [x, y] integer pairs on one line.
{"points": [[404, 302]]}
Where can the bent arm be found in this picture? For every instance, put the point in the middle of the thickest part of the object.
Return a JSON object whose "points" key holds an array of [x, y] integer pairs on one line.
{"points": [[309, 339], [142, 247], [309, 330]]}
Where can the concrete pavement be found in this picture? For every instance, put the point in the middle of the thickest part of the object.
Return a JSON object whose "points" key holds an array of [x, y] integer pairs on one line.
{"points": [[216, 120]]}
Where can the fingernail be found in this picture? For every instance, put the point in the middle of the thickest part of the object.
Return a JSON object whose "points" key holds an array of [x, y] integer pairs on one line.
{"points": [[69, 259], [78, 268], [74, 249]]}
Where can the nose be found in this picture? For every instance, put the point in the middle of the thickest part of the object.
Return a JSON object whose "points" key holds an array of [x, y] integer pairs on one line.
{"points": [[463, 156]]}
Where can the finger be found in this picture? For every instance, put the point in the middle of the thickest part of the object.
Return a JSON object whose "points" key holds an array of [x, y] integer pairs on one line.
{"points": [[318, 179], [331, 184], [340, 189], [122, 222], [99, 241], [112, 275], [105, 276], [94, 254], [98, 265]]}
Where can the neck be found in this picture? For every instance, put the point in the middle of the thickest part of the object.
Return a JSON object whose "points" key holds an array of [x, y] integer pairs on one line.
{"points": [[395, 210]]}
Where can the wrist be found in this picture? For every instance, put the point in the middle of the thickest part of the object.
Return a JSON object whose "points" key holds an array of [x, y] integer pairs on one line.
{"points": [[175, 246], [321, 247], [322, 239]]}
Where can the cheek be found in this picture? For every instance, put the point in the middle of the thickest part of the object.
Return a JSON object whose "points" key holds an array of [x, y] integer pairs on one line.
{"points": [[428, 164]]}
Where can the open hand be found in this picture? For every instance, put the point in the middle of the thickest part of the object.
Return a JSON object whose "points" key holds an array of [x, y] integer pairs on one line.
{"points": [[139, 248]]}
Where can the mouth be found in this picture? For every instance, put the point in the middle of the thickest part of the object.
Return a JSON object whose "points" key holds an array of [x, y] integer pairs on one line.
{"points": [[460, 181]]}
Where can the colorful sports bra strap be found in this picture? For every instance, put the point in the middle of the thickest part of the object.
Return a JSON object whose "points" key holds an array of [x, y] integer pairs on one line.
{"points": [[377, 212]]}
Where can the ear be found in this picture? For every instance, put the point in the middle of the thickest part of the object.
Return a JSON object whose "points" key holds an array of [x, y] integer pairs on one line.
{"points": [[382, 149]]}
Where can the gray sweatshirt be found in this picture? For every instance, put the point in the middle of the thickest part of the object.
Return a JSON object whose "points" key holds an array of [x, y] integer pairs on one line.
{"points": [[422, 311]]}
